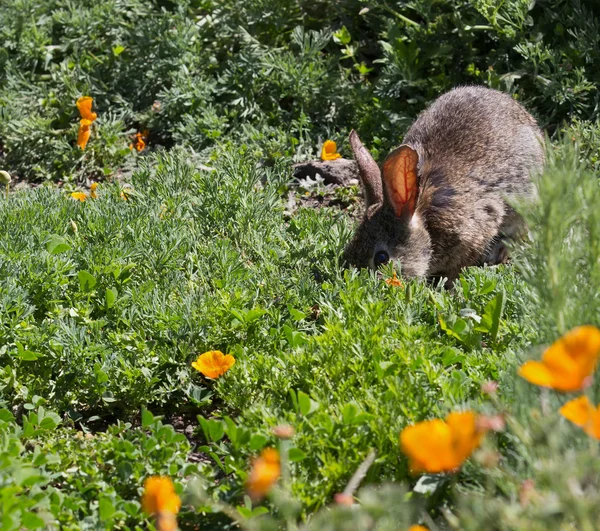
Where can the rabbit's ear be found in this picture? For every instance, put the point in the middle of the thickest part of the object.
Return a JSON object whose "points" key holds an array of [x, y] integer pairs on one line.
{"points": [[370, 175], [401, 180]]}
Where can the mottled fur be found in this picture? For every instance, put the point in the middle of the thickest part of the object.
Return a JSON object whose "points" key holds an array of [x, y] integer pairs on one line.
{"points": [[477, 148]]}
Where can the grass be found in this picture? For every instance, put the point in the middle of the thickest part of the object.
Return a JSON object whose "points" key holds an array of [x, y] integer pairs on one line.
{"points": [[105, 303]]}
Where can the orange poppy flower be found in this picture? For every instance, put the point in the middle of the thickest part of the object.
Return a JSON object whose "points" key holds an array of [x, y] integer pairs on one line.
{"points": [[84, 104], [93, 193], [84, 132], [265, 472], [140, 144], [160, 499], [441, 446], [582, 413], [80, 196], [568, 364], [417, 528], [394, 281], [213, 363], [329, 151]]}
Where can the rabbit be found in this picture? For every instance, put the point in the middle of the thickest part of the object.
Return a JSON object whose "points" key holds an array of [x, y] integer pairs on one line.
{"points": [[439, 202]]}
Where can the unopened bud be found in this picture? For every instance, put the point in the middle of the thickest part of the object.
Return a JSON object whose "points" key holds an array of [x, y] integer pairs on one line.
{"points": [[73, 226], [343, 499], [284, 431], [5, 177]]}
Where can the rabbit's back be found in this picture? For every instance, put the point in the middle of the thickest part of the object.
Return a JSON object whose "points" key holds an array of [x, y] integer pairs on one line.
{"points": [[476, 147]]}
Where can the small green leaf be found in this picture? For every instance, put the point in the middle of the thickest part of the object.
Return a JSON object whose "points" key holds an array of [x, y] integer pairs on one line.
{"points": [[216, 430], [257, 441], [110, 297], [105, 508], [349, 412], [295, 455], [304, 403], [57, 244], [87, 281], [30, 520], [255, 314], [118, 50], [147, 418]]}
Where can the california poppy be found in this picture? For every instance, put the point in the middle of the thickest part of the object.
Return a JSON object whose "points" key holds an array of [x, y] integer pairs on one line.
{"points": [[441, 446], [582, 413], [140, 144], [80, 196], [84, 132], [93, 193], [394, 281], [265, 472], [84, 104], [329, 151], [213, 363], [568, 364], [160, 499], [417, 528]]}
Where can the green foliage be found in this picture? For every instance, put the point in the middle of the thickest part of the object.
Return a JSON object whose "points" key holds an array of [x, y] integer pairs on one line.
{"points": [[105, 303]]}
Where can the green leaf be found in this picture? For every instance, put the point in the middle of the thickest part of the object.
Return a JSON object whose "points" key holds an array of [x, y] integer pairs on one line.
{"points": [[31, 520], [304, 403], [147, 418], [216, 430], [57, 244], [492, 314], [257, 441], [255, 314], [349, 412], [110, 297], [87, 281], [105, 508], [6, 415], [118, 50], [295, 455]]}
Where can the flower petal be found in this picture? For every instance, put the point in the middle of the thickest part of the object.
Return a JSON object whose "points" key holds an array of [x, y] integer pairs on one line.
{"points": [[578, 411], [537, 373], [429, 446], [329, 151], [84, 104]]}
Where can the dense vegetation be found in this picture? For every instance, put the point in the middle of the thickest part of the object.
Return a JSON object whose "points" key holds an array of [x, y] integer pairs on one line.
{"points": [[105, 303]]}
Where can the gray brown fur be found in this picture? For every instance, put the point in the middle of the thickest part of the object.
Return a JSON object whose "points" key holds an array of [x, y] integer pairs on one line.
{"points": [[477, 149]]}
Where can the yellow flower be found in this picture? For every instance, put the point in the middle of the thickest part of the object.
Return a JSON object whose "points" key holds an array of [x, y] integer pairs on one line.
{"points": [[394, 281], [568, 364], [84, 132], [160, 499], [582, 413], [93, 193], [329, 151], [80, 196], [441, 446], [213, 363], [84, 104], [125, 193], [417, 528], [264, 474]]}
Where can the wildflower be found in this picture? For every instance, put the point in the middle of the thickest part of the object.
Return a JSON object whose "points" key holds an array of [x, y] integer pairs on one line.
{"points": [[140, 145], [213, 363], [264, 474], [441, 446], [329, 151], [93, 193], [284, 431], [343, 499], [125, 193], [84, 104], [73, 226], [527, 492], [80, 196], [84, 132], [394, 281], [493, 423], [417, 528], [490, 387], [582, 413], [160, 499], [568, 364]]}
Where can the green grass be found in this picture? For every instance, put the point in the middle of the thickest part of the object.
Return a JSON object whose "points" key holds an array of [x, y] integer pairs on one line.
{"points": [[104, 304]]}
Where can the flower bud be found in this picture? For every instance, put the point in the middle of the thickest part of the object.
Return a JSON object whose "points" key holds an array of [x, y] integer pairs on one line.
{"points": [[5, 177]]}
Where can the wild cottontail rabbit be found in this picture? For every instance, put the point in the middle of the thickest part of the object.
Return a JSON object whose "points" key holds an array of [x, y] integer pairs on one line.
{"points": [[438, 204]]}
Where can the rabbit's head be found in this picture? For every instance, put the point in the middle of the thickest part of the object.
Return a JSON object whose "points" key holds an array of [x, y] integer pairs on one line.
{"points": [[391, 228]]}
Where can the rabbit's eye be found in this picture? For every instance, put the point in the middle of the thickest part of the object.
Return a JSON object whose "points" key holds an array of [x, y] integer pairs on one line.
{"points": [[380, 258]]}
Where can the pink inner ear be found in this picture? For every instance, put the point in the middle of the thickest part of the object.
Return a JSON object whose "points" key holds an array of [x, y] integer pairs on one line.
{"points": [[401, 180]]}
